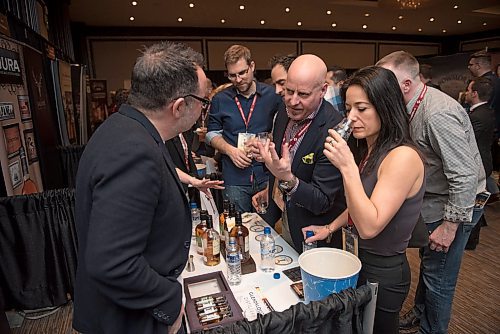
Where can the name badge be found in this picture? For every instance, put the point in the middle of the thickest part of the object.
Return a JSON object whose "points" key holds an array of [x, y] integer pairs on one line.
{"points": [[242, 139], [349, 241]]}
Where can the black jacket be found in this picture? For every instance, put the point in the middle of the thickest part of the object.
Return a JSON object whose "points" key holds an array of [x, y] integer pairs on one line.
{"points": [[482, 119]]}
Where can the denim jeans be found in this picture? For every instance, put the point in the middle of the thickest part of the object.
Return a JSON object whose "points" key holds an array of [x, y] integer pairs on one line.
{"points": [[438, 278], [241, 196]]}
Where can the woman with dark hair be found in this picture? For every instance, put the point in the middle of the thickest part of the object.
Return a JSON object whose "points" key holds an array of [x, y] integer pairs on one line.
{"points": [[384, 193]]}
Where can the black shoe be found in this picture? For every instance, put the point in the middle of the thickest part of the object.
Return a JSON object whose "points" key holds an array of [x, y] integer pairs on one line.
{"points": [[409, 320]]}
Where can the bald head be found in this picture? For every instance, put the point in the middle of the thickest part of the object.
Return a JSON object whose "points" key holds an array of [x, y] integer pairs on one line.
{"points": [[309, 68], [305, 86]]}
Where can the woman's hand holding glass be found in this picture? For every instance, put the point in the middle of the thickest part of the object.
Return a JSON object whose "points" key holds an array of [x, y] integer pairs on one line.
{"points": [[337, 151]]}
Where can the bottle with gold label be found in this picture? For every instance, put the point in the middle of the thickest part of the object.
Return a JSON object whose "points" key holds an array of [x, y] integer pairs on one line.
{"points": [[211, 244], [241, 234], [199, 230], [231, 218]]}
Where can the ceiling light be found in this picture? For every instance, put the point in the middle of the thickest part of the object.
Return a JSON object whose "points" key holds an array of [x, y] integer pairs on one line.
{"points": [[179, 19], [131, 18], [484, 23], [242, 7], [459, 21], [393, 28], [299, 23], [408, 4], [400, 17], [134, 3], [431, 19], [367, 14], [287, 9], [334, 25], [455, 7], [444, 30], [328, 12], [222, 21], [420, 29], [262, 22], [365, 26], [191, 5]]}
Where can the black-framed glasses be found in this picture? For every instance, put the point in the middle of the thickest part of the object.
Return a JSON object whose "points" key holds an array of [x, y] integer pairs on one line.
{"points": [[205, 103], [233, 76]]}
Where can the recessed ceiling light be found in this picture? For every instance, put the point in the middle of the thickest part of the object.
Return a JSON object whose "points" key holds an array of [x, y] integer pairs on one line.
{"points": [[367, 14], [459, 21], [262, 22], [287, 9], [191, 5], [242, 7], [420, 29], [431, 19], [222, 21], [455, 7], [179, 19], [134, 3], [393, 28], [365, 26], [484, 23], [328, 12], [334, 25], [400, 17], [131, 18], [299, 23], [444, 30]]}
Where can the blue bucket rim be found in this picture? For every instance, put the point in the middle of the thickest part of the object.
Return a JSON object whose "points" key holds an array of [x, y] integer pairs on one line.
{"points": [[330, 250]]}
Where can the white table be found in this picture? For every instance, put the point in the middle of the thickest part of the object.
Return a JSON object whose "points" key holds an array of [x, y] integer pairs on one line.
{"points": [[277, 291]]}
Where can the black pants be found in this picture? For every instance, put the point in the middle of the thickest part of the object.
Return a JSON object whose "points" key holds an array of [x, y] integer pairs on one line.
{"points": [[394, 276]]}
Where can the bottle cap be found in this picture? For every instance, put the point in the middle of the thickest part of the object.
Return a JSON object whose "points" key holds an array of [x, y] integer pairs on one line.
{"points": [[193, 205], [267, 230], [309, 234], [276, 275]]}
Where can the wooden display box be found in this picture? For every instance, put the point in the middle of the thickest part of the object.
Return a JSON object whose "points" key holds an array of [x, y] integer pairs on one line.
{"points": [[215, 285]]}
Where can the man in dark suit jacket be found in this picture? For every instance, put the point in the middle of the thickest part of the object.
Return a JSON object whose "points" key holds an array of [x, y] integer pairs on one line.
{"points": [[308, 184], [132, 217]]}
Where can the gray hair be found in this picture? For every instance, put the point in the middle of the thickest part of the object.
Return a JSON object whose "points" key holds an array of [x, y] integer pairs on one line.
{"points": [[164, 72]]}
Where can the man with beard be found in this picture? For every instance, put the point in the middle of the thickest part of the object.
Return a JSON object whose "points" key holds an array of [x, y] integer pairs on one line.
{"points": [[237, 114]]}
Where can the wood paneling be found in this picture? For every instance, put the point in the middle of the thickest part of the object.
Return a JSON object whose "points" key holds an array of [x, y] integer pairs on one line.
{"points": [[415, 49], [350, 55]]}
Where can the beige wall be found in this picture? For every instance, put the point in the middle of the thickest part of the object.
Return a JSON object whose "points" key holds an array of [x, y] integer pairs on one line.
{"points": [[348, 55], [415, 49]]}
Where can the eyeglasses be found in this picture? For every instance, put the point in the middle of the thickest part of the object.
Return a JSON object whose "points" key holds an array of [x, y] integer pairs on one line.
{"points": [[205, 103], [233, 76]]}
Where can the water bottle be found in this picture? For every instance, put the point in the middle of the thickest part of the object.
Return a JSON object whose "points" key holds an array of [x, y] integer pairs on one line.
{"points": [[267, 251], [233, 261], [195, 218], [309, 245]]}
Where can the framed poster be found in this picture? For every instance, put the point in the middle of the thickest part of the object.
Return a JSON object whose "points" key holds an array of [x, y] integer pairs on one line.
{"points": [[6, 111], [24, 107], [29, 140], [12, 139], [15, 173]]}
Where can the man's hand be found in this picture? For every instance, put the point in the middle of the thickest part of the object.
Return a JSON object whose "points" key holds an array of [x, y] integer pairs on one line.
{"points": [[280, 168], [178, 322], [204, 185], [239, 158], [441, 238], [255, 202]]}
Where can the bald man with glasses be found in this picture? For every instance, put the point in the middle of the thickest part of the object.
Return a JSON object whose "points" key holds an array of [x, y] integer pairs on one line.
{"points": [[236, 114]]}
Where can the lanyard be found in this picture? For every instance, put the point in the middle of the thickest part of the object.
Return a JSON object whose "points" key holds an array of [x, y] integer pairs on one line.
{"points": [[246, 120], [418, 102], [185, 149], [297, 136]]}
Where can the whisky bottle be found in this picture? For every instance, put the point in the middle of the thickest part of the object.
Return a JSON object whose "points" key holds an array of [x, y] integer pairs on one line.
{"points": [[199, 230], [241, 234], [29, 187], [222, 224], [231, 218], [211, 244]]}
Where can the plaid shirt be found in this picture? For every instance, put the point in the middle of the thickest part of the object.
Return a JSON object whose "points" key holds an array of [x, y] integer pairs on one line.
{"points": [[454, 172], [333, 97]]}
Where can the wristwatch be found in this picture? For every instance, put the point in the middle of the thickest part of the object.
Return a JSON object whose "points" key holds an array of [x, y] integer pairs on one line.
{"points": [[288, 185]]}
